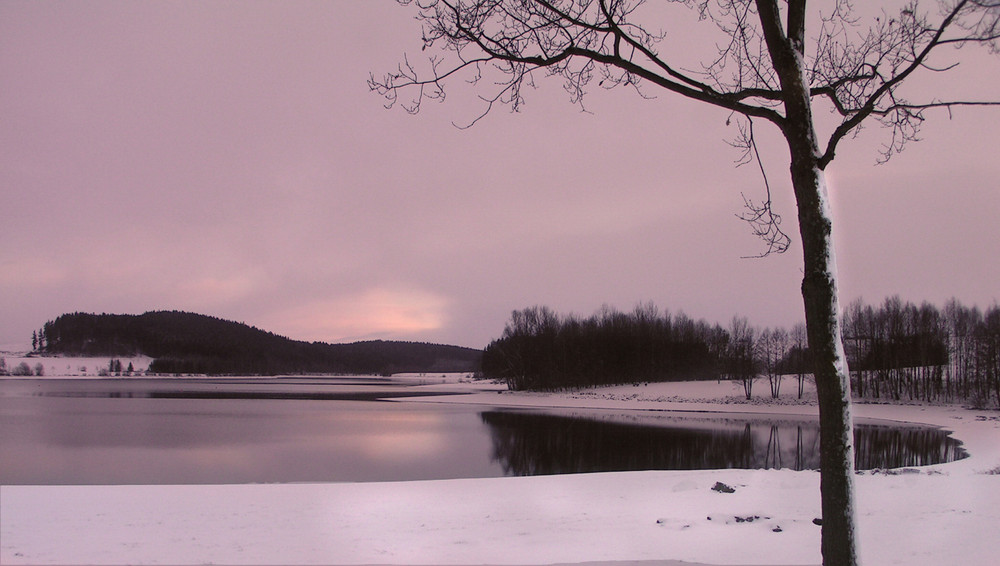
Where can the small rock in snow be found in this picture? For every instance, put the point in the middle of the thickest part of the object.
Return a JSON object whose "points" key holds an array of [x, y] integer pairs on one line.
{"points": [[722, 488]]}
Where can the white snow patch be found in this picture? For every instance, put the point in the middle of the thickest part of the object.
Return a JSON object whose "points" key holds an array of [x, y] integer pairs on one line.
{"points": [[75, 366]]}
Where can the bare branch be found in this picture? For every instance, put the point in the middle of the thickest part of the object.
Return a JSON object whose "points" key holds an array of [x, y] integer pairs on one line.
{"points": [[855, 70], [764, 222], [893, 50], [572, 39]]}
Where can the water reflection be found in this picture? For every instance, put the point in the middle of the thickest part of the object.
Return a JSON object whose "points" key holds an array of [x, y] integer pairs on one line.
{"points": [[231, 431], [532, 443], [318, 430]]}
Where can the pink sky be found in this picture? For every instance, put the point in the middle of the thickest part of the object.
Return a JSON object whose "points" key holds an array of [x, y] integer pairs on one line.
{"points": [[229, 159]]}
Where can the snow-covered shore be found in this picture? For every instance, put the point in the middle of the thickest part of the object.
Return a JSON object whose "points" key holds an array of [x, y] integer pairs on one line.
{"points": [[944, 514], [72, 366]]}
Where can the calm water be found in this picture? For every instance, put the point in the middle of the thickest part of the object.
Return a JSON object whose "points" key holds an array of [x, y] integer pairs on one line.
{"points": [[334, 429]]}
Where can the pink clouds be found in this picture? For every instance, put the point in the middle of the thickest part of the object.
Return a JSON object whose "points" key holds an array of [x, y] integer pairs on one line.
{"points": [[229, 159], [379, 312]]}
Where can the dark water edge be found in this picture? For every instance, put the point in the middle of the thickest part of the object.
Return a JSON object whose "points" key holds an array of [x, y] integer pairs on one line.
{"points": [[349, 388], [533, 443]]}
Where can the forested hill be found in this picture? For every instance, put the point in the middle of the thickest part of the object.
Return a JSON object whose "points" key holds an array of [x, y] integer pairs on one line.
{"points": [[181, 342]]}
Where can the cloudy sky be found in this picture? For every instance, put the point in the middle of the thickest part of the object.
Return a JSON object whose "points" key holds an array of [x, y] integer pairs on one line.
{"points": [[229, 159]]}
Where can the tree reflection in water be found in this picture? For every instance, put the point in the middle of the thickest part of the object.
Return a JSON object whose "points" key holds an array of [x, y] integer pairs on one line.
{"points": [[533, 443]]}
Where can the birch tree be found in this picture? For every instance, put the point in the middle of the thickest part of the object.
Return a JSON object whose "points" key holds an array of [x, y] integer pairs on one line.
{"points": [[762, 66]]}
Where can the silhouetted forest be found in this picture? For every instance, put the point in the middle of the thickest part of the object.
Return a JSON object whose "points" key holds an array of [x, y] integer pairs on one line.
{"points": [[542, 350], [902, 351], [896, 351], [189, 343]]}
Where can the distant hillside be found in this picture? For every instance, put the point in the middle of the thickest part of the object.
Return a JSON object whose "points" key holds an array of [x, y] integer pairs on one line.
{"points": [[182, 342]]}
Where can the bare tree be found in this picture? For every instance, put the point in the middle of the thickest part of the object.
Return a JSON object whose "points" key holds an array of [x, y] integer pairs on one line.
{"points": [[799, 348], [742, 356], [763, 66], [774, 344], [21, 369]]}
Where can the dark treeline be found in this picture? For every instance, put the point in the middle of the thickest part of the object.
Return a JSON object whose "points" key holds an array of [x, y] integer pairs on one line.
{"points": [[189, 343], [896, 351], [542, 350]]}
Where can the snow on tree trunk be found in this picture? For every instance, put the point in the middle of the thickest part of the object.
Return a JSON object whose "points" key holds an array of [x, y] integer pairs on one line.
{"points": [[819, 293]]}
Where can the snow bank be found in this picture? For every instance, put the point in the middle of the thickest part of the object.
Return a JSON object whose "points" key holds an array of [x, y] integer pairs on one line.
{"points": [[534, 520], [945, 514], [60, 366]]}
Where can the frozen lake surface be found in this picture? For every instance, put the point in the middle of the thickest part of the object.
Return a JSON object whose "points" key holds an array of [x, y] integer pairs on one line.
{"points": [[252, 430]]}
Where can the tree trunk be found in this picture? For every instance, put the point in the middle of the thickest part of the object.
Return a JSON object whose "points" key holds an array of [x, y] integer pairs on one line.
{"points": [[833, 386], [819, 284]]}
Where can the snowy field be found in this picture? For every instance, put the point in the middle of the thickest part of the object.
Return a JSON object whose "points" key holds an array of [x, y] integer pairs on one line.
{"points": [[943, 514], [72, 366]]}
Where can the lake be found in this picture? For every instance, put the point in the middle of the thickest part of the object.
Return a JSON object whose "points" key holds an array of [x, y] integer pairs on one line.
{"points": [[184, 431]]}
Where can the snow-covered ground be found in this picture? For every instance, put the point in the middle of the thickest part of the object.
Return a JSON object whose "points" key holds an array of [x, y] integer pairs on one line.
{"points": [[944, 514], [61, 366]]}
